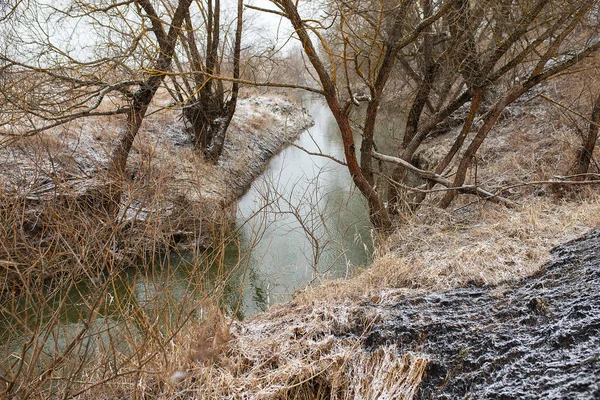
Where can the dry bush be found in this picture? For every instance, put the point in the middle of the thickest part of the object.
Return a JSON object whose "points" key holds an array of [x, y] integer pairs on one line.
{"points": [[302, 352], [259, 121], [99, 300], [73, 316]]}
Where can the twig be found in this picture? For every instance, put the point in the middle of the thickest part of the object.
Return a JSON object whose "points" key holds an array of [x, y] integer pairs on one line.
{"points": [[550, 182], [556, 103], [318, 154]]}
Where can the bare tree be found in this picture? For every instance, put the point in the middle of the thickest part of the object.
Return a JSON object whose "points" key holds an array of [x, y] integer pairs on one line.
{"points": [[144, 95], [374, 68], [459, 53], [586, 152], [205, 104], [51, 85], [535, 50]]}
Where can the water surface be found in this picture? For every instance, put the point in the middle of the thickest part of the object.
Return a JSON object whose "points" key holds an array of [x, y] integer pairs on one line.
{"points": [[313, 225]]}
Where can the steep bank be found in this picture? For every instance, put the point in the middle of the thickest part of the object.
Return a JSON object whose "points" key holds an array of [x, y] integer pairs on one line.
{"points": [[52, 183], [68, 158]]}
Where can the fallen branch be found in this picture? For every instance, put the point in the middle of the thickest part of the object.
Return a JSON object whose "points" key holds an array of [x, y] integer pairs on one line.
{"points": [[422, 188], [550, 182], [484, 194]]}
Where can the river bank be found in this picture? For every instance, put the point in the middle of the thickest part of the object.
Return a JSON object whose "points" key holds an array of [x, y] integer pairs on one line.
{"points": [[88, 295], [324, 343], [365, 336], [51, 184]]}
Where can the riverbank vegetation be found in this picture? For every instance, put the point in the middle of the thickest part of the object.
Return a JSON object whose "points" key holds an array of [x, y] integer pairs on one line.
{"points": [[469, 126]]}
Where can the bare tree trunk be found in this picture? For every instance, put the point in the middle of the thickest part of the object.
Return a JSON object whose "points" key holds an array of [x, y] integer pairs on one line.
{"points": [[429, 71], [216, 148], [143, 97], [458, 143], [586, 152], [378, 214], [467, 157], [376, 90]]}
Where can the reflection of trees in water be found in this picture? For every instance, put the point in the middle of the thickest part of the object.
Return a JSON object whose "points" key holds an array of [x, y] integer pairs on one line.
{"points": [[311, 223]]}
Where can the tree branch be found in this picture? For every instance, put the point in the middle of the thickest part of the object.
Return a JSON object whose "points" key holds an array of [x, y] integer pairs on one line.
{"points": [[484, 194]]}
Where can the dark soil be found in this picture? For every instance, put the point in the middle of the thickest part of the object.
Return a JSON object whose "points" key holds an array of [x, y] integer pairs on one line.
{"points": [[535, 339]]}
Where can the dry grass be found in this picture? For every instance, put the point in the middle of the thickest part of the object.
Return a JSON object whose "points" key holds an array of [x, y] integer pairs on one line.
{"points": [[480, 243], [310, 348], [440, 250], [73, 322], [71, 318], [294, 353]]}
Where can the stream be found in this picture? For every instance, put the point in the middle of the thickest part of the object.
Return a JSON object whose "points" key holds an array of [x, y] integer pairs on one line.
{"points": [[299, 223], [313, 224]]}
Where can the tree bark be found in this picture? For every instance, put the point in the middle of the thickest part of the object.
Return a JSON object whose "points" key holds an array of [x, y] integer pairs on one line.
{"points": [[587, 150], [143, 97], [378, 214], [216, 148]]}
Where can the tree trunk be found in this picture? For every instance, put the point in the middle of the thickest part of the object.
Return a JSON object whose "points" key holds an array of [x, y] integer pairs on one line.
{"points": [[218, 140], [143, 97], [587, 150], [429, 71], [378, 213], [477, 141], [458, 143]]}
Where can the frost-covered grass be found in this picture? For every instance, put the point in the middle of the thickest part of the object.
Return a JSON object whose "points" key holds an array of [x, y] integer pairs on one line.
{"points": [[73, 323]]}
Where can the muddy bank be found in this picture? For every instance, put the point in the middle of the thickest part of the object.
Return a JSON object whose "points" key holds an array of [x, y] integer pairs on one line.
{"points": [[261, 127], [535, 339]]}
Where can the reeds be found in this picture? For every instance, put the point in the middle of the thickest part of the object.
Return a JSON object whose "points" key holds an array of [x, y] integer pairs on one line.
{"points": [[94, 292]]}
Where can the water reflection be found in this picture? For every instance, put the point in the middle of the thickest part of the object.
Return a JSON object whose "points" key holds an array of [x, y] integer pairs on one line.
{"points": [[313, 223]]}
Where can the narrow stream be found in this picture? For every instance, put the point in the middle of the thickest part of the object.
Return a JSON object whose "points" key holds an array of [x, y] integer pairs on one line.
{"points": [[300, 222], [313, 223]]}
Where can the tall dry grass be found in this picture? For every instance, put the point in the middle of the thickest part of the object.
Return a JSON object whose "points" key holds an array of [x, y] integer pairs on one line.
{"points": [[90, 295]]}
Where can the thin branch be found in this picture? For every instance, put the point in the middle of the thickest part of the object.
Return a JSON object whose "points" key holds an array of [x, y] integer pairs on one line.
{"points": [[266, 10], [33, 132], [421, 189], [556, 103], [551, 182], [319, 154], [242, 81]]}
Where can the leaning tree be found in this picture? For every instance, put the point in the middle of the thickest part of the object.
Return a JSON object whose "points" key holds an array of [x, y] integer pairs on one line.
{"points": [[475, 55]]}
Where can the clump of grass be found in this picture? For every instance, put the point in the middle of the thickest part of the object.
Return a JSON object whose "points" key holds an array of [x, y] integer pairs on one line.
{"points": [[486, 245], [300, 352]]}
